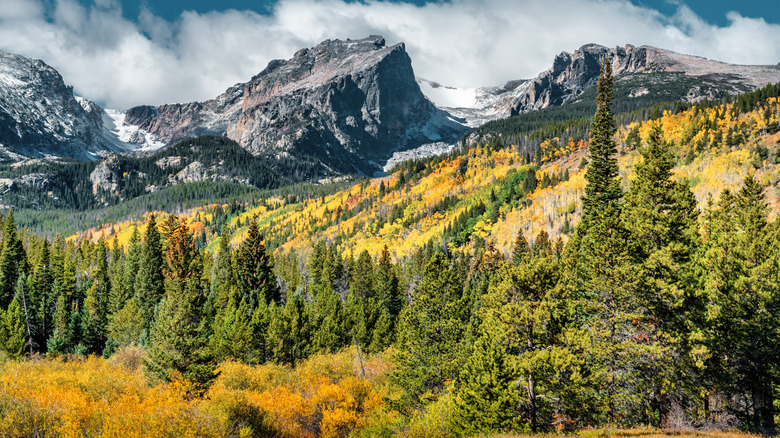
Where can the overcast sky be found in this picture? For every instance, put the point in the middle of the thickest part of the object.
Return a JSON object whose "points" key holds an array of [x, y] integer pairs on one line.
{"points": [[126, 54]]}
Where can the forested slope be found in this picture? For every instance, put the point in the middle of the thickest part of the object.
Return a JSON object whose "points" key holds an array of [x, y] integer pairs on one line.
{"points": [[499, 293]]}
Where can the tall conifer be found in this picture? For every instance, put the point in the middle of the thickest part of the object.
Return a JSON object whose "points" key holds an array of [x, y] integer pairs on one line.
{"points": [[149, 284]]}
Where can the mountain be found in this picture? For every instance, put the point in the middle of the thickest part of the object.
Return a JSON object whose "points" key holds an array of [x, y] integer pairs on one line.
{"points": [[482, 192], [40, 116], [346, 104], [216, 161], [643, 76]]}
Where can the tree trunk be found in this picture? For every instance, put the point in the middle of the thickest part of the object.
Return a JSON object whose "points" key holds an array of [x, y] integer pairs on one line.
{"points": [[767, 409]]}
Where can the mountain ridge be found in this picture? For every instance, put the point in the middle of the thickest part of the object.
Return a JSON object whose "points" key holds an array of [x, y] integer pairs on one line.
{"points": [[573, 73], [348, 104]]}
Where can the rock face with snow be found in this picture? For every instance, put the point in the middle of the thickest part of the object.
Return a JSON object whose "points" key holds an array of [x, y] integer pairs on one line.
{"points": [[40, 116], [347, 104], [572, 73]]}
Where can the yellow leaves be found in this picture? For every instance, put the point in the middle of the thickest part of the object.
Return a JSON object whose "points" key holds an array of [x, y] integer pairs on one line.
{"points": [[93, 397], [321, 397]]}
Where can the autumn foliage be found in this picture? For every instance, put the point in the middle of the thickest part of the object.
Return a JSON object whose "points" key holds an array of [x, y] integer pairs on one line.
{"points": [[325, 396]]}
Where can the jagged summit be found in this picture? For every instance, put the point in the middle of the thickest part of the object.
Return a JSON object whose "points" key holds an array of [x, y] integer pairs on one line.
{"points": [[346, 104], [40, 116], [646, 70]]}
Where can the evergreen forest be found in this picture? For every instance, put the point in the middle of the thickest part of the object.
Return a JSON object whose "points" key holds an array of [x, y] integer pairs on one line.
{"points": [[409, 306]]}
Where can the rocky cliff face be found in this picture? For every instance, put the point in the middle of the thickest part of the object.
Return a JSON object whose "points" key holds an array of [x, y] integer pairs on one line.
{"points": [[347, 104], [39, 115], [571, 74], [646, 71]]}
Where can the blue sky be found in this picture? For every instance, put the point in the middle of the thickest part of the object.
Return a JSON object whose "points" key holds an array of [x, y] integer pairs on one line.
{"points": [[122, 53], [713, 11]]}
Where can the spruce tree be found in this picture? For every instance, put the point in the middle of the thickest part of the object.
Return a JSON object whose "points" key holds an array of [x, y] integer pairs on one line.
{"points": [[12, 261], [328, 322], [255, 269], [430, 335], [740, 277], [485, 397], [223, 279], [149, 284], [127, 325], [15, 343], [520, 249], [289, 332], [95, 317], [57, 343], [387, 285], [233, 335], [118, 295], [603, 184], [362, 281], [132, 263], [42, 297], [599, 268], [177, 341], [661, 218]]}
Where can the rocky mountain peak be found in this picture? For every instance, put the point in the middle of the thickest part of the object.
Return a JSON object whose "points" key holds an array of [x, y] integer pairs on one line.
{"points": [[40, 116], [573, 73], [348, 104]]}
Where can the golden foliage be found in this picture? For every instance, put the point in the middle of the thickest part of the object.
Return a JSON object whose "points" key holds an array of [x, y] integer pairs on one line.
{"points": [[325, 396]]}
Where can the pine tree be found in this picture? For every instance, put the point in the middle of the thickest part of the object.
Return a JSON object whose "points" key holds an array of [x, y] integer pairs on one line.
{"points": [[232, 336], [132, 263], [485, 396], [740, 277], [255, 269], [12, 261], [430, 335], [149, 284], [15, 343], [520, 249], [177, 339]]}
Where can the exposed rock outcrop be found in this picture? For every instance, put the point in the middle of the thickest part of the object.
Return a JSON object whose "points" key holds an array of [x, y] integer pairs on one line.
{"points": [[571, 74], [348, 104], [40, 116], [651, 71]]}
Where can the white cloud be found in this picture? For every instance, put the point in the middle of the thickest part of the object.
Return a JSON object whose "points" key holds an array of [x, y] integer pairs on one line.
{"points": [[121, 63]]}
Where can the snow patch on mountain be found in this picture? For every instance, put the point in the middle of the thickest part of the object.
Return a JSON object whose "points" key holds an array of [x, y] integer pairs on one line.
{"points": [[424, 151], [474, 107], [139, 139], [448, 97]]}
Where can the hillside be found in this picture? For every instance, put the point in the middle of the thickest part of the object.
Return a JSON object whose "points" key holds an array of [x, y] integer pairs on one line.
{"points": [[487, 192], [457, 321]]}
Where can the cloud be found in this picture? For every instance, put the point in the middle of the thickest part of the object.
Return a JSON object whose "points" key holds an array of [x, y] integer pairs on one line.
{"points": [[466, 43]]}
